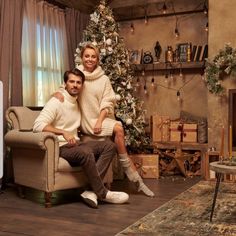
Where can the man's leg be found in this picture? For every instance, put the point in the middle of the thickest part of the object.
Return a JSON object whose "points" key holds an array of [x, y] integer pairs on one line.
{"points": [[82, 155]]}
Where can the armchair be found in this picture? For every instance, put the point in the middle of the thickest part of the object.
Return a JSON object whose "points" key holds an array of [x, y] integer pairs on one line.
{"points": [[35, 157]]}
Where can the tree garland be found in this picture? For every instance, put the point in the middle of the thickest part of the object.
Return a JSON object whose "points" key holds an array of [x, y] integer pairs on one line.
{"points": [[224, 63]]}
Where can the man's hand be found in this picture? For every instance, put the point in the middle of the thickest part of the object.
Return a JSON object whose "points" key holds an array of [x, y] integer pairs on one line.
{"points": [[69, 137]]}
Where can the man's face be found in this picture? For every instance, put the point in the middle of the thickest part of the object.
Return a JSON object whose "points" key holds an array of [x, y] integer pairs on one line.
{"points": [[74, 85]]}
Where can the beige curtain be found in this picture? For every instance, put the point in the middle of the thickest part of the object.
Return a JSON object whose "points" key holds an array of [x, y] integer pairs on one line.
{"points": [[76, 22], [44, 51]]}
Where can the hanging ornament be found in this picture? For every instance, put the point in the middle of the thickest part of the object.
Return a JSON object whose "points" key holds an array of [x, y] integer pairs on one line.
{"points": [[129, 121], [108, 41], [118, 97], [110, 50], [103, 51]]}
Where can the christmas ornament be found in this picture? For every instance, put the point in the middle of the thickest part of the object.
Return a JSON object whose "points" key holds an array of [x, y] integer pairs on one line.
{"points": [[118, 97], [128, 121]]}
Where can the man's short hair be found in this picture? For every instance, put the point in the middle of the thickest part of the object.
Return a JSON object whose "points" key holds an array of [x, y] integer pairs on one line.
{"points": [[74, 71]]}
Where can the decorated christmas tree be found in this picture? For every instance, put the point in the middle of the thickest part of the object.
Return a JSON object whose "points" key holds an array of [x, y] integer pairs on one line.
{"points": [[102, 31]]}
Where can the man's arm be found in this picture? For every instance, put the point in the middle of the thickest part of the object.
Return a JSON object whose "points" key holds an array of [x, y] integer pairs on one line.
{"points": [[67, 135]]}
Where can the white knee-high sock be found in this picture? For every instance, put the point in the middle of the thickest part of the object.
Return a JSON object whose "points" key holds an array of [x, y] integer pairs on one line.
{"points": [[133, 175]]}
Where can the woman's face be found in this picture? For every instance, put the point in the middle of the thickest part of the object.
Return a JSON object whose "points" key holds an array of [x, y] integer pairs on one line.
{"points": [[89, 59]]}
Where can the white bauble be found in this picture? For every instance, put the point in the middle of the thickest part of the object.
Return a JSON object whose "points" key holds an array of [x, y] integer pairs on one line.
{"points": [[129, 121], [118, 97], [103, 51], [110, 50], [108, 41]]}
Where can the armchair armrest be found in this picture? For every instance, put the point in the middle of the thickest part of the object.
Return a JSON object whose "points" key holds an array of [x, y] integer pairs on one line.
{"points": [[29, 139]]}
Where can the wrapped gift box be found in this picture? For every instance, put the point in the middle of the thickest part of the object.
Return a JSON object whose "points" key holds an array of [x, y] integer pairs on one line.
{"points": [[175, 131], [160, 128], [189, 133], [147, 165]]}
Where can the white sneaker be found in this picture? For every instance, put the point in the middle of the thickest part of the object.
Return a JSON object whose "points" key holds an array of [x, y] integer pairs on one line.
{"points": [[116, 197], [90, 198]]}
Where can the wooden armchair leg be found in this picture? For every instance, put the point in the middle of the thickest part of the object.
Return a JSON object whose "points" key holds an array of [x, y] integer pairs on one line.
{"points": [[21, 191], [47, 197]]}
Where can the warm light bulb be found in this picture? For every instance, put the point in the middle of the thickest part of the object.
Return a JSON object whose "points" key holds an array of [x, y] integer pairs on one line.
{"points": [[145, 89], [206, 27], [166, 78], [146, 20], [153, 82], [205, 10], [132, 27], [137, 83], [143, 72], [178, 95], [176, 32], [164, 8]]}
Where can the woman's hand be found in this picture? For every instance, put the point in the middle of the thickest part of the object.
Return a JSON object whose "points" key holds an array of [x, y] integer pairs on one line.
{"points": [[98, 127], [59, 96], [69, 137]]}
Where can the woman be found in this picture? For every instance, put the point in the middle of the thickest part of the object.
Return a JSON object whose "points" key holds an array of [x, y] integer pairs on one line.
{"points": [[97, 102]]}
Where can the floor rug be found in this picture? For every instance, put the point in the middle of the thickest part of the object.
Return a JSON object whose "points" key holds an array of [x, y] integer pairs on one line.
{"points": [[188, 214]]}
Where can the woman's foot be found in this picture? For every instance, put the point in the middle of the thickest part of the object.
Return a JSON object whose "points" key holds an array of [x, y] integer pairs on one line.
{"points": [[143, 187]]}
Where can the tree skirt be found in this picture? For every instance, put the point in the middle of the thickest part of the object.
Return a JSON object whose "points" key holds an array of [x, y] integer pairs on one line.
{"points": [[188, 214]]}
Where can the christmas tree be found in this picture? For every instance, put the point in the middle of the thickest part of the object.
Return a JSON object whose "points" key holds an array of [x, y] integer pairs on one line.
{"points": [[102, 31]]}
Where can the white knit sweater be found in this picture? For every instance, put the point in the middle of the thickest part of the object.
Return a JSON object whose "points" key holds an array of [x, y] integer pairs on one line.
{"points": [[96, 95], [61, 115]]}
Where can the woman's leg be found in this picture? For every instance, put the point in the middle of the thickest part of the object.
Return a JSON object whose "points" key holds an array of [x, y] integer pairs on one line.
{"points": [[126, 162]]}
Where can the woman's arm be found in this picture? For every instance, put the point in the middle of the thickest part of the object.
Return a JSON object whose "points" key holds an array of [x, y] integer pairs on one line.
{"points": [[98, 126]]}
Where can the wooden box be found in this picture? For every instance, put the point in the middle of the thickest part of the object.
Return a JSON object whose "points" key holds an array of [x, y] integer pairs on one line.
{"points": [[175, 131], [160, 128], [189, 133], [147, 165]]}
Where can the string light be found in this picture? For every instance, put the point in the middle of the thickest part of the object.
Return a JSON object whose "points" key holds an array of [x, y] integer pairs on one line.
{"points": [[206, 27], [132, 27], [176, 28], [153, 82], [178, 95], [205, 9], [145, 88], [146, 17], [164, 8], [138, 82]]}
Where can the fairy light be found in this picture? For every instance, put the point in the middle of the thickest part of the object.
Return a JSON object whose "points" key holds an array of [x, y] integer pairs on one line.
{"points": [[153, 81], [145, 88], [206, 27], [164, 8], [178, 95], [132, 28], [138, 82]]}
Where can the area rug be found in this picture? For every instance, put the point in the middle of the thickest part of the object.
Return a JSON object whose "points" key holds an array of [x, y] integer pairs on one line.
{"points": [[188, 214]]}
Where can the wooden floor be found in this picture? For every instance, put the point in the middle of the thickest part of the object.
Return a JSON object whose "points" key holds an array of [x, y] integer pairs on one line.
{"points": [[69, 216]]}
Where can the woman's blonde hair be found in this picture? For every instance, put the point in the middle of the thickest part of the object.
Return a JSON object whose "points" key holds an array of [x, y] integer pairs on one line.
{"points": [[91, 46]]}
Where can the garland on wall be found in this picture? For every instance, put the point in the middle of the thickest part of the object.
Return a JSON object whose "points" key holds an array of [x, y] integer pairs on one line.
{"points": [[224, 63]]}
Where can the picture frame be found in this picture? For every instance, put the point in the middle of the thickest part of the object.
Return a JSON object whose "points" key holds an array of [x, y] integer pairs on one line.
{"points": [[135, 56]]}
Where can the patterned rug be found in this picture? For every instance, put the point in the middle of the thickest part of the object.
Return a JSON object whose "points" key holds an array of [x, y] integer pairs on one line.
{"points": [[188, 214]]}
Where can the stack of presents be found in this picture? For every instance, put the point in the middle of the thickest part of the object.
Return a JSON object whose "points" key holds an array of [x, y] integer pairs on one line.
{"points": [[184, 129], [188, 129]]}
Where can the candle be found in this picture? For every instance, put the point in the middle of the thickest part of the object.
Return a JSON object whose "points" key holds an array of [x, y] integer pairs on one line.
{"points": [[104, 39], [230, 142], [222, 142], [116, 39]]}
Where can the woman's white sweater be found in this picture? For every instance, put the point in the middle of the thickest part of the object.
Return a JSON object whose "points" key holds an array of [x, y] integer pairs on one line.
{"points": [[97, 94]]}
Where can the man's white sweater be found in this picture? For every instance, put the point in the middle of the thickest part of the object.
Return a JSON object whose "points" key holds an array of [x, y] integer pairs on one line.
{"points": [[61, 115]]}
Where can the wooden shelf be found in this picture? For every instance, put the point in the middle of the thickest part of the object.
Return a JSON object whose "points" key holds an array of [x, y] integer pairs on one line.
{"points": [[183, 145], [169, 66]]}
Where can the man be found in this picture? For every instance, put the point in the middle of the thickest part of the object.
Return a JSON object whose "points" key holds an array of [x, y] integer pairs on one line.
{"points": [[63, 119]]}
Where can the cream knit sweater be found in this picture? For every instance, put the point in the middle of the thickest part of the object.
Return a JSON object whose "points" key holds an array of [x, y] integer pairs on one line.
{"points": [[62, 115], [97, 94]]}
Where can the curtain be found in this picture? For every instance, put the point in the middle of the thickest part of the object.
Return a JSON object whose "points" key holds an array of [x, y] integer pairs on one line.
{"points": [[11, 13], [44, 51], [76, 22]]}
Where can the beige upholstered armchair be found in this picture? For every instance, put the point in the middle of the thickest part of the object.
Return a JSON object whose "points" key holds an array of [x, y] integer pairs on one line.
{"points": [[35, 157]]}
